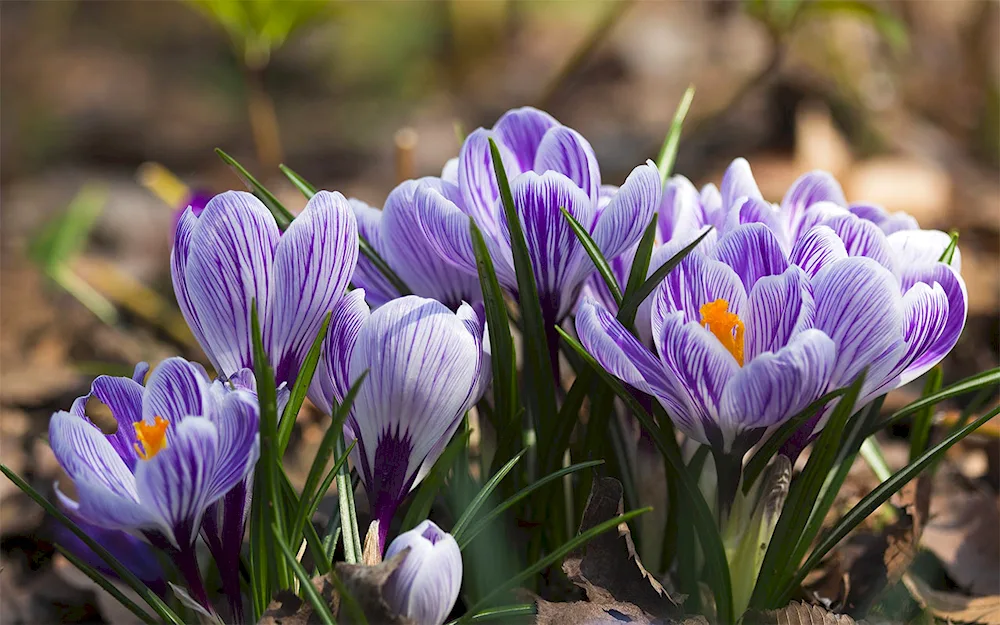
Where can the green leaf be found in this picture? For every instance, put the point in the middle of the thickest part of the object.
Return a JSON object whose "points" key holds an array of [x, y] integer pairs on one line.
{"points": [[301, 388], [348, 514], [502, 355], [758, 462], [969, 384], [550, 559], [949, 252], [630, 306], [488, 518], [881, 494], [281, 214], [920, 433], [101, 580], [537, 358], [62, 239], [420, 507], [640, 264], [704, 520], [311, 496], [500, 612], [668, 153], [483, 495], [123, 573], [320, 609], [596, 256], [803, 493], [364, 246]]}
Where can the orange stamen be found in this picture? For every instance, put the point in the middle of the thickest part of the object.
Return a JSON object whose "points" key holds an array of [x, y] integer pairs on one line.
{"points": [[726, 327], [152, 437]]}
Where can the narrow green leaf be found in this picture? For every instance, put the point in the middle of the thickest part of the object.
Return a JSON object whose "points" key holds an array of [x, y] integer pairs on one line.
{"points": [[949, 252], [881, 494], [320, 609], [301, 388], [630, 306], [364, 246], [483, 495], [123, 573], [969, 384], [640, 264], [312, 496], [704, 521], [596, 256], [668, 153], [281, 214], [101, 580], [503, 357], [802, 495], [758, 462], [920, 433], [488, 518], [553, 557], [500, 612], [538, 359], [420, 507], [348, 515]]}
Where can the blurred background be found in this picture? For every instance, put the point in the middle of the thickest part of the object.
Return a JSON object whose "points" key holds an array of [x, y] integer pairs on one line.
{"points": [[898, 99]]}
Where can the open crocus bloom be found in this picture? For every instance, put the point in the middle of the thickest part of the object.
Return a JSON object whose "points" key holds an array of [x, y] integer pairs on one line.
{"points": [[425, 585], [550, 167], [182, 442], [410, 254], [233, 254], [746, 337], [426, 366]]}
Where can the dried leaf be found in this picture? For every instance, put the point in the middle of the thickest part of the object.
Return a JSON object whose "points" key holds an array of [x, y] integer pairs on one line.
{"points": [[577, 612], [954, 607], [962, 533], [365, 583], [290, 609], [608, 568], [797, 613]]}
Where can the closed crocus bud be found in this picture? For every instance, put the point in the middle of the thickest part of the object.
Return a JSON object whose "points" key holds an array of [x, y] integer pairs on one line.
{"points": [[425, 585]]}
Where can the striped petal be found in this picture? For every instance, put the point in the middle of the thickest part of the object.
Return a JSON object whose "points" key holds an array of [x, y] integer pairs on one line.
{"points": [[123, 396], [778, 307], [695, 281], [176, 389], [809, 189], [863, 238], [817, 248], [753, 251], [935, 307], [922, 248], [237, 424], [621, 224], [889, 222], [564, 150], [313, 263], [228, 267], [477, 178], [681, 210], [738, 182], [366, 276], [425, 586], [332, 379], [521, 130]]}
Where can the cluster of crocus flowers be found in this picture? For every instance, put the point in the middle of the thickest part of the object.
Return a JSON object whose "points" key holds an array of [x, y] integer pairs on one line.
{"points": [[180, 443]]}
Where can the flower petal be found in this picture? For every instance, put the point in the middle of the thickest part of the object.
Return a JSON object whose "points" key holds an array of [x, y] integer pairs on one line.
{"points": [[177, 482], [428, 275], [366, 276], [922, 248], [521, 130], [888, 222], [774, 387], [681, 211], [863, 238], [817, 248], [695, 281], [809, 189], [564, 150], [738, 182], [777, 308], [621, 224], [935, 307], [312, 266], [228, 266], [753, 251], [755, 211], [332, 380], [237, 422], [426, 584], [477, 178], [176, 389], [123, 396], [179, 254]]}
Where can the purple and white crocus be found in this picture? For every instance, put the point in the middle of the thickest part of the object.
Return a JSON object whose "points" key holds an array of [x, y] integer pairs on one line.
{"points": [[425, 367], [182, 442], [425, 585], [550, 167]]}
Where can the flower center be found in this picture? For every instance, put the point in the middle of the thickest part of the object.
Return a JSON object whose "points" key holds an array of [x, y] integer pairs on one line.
{"points": [[152, 437], [726, 327]]}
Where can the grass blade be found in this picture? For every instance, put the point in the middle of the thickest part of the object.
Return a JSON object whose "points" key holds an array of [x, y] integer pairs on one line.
{"points": [[630, 305], [538, 357], [298, 395], [640, 264], [969, 384], [481, 497], [320, 609], [553, 557], [147, 595], [474, 531], [715, 556], [668, 153], [881, 494], [500, 612], [596, 256], [420, 507], [949, 252], [300, 183], [920, 433], [348, 515], [281, 214]]}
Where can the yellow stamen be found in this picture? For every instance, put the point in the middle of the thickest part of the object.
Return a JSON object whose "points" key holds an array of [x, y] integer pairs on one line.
{"points": [[726, 327], [152, 437]]}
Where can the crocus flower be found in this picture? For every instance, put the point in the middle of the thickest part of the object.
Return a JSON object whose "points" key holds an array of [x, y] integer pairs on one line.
{"points": [[181, 443], [233, 254], [550, 167], [425, 585], [410, 255], [426, 367]]}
